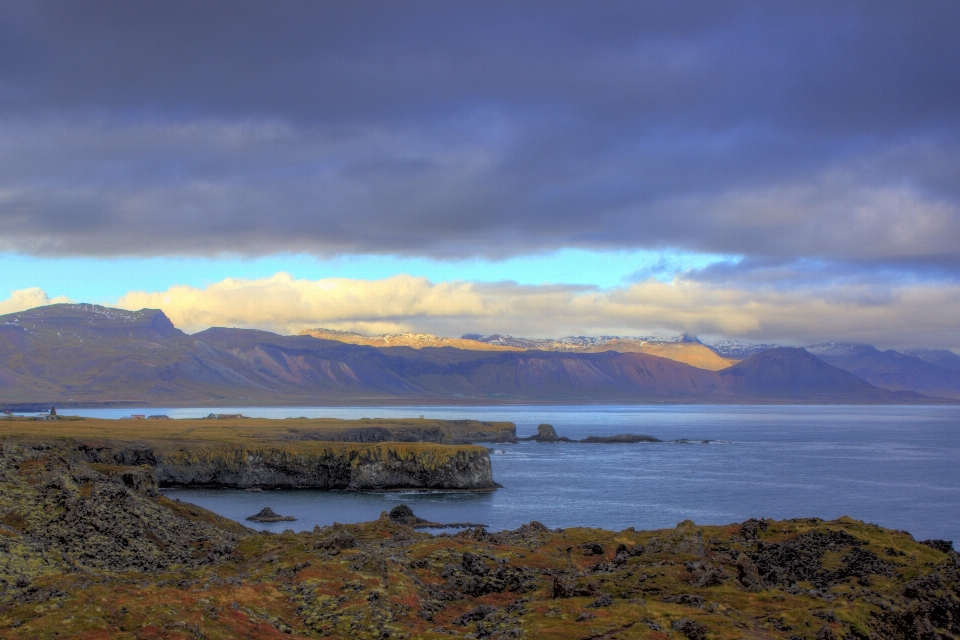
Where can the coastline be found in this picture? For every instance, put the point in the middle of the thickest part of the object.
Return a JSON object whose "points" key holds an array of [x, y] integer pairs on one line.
{"points": [[114, 560]]}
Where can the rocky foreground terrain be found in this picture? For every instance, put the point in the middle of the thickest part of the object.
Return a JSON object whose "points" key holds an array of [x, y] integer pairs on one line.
{"points": [[93, 550]]}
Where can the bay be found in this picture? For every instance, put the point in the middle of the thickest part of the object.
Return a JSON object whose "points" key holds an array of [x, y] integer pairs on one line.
{"points": [[896, 466]]}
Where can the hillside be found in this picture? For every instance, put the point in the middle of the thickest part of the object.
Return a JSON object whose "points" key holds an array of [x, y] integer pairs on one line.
{"points": [[893, 370], [82, 353], [86, 353], [341, 368], [790, 373], [694, 354], [413, 340], [937, 357]]}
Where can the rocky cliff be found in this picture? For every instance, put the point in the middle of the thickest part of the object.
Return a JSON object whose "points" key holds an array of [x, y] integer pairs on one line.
{"points": [[312, 465], [58, 514]]}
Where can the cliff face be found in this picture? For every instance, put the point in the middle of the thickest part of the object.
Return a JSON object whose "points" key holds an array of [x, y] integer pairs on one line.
{"points": [[357, 455], [380, 467], [57, 512]]}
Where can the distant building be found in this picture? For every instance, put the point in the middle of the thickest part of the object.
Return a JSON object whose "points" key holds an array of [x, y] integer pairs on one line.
{"points": [[224, 416], [158, 417], [136, 416]]}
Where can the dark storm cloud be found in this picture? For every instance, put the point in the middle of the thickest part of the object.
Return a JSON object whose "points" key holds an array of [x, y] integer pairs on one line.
{"points": [[776, 131]]}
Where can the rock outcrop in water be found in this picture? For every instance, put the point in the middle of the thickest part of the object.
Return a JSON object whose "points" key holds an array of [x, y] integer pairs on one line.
{"points": [[546, 433], [269, 515], [623, 438], [402, 514]]}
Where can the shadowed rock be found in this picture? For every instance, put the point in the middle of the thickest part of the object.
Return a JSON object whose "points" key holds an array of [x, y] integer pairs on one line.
{"points": [[546, 433], [402, 514], [623, 438], [267, 515]]}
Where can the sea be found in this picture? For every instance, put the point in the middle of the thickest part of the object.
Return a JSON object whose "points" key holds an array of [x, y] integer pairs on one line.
{"points": [[895, 466]]}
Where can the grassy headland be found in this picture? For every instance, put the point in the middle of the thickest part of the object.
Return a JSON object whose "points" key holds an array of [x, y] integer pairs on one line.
{"points": [[301, 453], [262, 430]]}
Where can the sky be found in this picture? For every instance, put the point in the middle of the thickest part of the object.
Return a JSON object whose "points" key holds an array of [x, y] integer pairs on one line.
{"points": [[774, 172]]}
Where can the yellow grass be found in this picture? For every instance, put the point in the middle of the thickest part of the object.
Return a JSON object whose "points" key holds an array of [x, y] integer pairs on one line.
{"points": [[244, 431]]}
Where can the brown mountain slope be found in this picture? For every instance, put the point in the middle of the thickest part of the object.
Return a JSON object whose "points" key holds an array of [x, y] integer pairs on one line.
{"points": [[691, 353], [338, 368], [90, 353], [414, 340]]}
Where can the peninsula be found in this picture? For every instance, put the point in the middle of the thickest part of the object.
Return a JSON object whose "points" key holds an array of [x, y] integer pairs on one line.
{"points": [[355, 455]]}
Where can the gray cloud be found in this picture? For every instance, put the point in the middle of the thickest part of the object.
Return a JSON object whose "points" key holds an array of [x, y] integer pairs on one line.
{"points": [[775, 131]]}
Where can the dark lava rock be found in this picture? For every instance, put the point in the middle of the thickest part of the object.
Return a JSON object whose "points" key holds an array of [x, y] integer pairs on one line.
{"points": [[685, 599], [474, 565], [339, 540], [572, 590], [691, 628], [101, 522], [472, 577], [477, 613], [592, 549], [585, 615], [267, 515], [402, 514], [747, 573], [751, 529], [546, 433], [704, 574], [603, 601], [826, 633], [945, 546], [799, 559], [623, 438]]}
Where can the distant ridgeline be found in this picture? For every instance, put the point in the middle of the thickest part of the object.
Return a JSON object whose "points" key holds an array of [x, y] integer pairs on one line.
{"points": [[73, 354]]}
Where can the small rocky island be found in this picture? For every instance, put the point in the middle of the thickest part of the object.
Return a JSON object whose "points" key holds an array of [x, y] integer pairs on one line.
{"points": [[267, 515], [402, 514], [546, 433]]}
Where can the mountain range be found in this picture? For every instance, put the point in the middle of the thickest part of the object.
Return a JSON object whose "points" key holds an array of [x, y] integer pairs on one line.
{"points": [[895, 371], [71, 353]]}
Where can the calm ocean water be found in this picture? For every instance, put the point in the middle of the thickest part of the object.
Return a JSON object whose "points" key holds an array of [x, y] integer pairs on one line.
{"points": [[897, 466]]}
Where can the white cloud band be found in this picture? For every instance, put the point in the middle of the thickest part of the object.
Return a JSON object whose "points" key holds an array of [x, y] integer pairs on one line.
{"points": [[906, 315]]}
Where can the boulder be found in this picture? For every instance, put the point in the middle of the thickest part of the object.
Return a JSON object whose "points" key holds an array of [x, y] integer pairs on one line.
{"points": [[268, 515]]}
